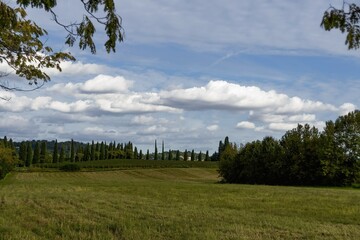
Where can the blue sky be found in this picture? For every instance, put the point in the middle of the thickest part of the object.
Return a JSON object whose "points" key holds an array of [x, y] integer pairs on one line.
{"points": [[191, 73]]}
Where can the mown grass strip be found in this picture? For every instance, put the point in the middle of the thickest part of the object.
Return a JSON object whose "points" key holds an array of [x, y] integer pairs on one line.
{"points": [[170, 203]]}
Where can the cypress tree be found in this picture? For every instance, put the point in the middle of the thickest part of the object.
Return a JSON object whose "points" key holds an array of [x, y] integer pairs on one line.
{"points": [[92, 151], [23, 152], [87, 152], [5, 142], [55, 153], [185, 155], [156, 152], [106, 151], [43, 152], [72, 151], [11, 144], [36, 155], [177, 158], [62, 154], [192, 155], [29, 154], [97, 151], [102, 151], [207, 158], [170, 155], [162, 151], [110, 151], [200, 157], [136, 153], [147, 155]]}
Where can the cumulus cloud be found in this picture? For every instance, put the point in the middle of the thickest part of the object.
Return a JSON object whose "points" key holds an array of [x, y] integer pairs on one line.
{"points": [[78, 68], [302, 118], [14, 121], [101, 84], [78, 106], [282, 126], [109, 97], [15, 103], [229, 96], [105, 84], [346, 108], [285, 126], [246, 125], [212, 128], [142, 120]]}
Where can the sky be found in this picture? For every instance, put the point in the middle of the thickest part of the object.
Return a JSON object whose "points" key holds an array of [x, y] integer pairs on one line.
{"points": [[189, 74]]}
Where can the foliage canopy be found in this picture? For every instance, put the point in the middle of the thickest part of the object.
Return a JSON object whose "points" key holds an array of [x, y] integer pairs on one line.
{"points": [[22, 45], [346, 20], [303, 156]]}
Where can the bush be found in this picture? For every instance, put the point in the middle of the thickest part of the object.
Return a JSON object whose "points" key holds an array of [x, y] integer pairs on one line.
{"points": [[7, 161], [71, 167]]}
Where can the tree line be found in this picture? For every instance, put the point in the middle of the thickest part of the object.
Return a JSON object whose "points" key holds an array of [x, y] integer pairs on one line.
{"points": [[39, 152], [303, 156]]}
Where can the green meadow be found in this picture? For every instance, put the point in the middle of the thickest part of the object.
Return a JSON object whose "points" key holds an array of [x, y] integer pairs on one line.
{"points": [[169, 203]]}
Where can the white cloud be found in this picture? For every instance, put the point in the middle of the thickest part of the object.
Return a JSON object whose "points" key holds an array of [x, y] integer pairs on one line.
{"points": [[229, 96], [148, 120], [101, 84], [105, 84], [142, 120], [40, 103], [346, 108], [78, 106], [13, 121], [282, 126], [212, 128], [302, 118], [246, 125], [155, 129], [78, 68], [15, 103]]}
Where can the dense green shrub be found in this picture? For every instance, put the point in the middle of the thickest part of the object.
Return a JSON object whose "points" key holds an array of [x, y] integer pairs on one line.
{"points": [[303, 156], [8, 160]]}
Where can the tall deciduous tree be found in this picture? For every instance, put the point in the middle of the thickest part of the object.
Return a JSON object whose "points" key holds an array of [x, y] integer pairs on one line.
{"points": [[22, 45], [8, 159], [347, 20]]}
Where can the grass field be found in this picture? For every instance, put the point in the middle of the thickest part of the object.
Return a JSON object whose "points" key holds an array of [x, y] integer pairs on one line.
{"points": [[169, 203]]}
